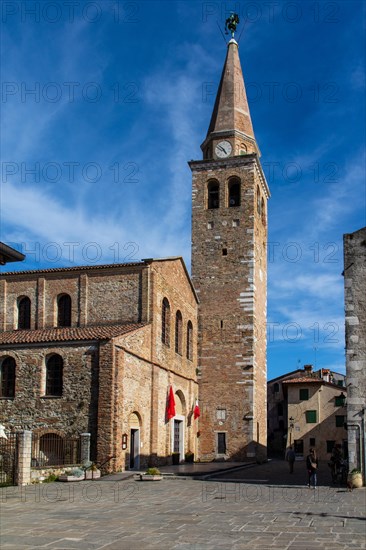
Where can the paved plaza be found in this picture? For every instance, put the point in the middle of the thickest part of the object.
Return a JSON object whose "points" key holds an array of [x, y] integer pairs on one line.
{"points": [[256, 507]]}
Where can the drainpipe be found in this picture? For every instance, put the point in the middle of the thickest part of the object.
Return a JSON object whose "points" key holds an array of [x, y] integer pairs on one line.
{"points": [[361, 438]]}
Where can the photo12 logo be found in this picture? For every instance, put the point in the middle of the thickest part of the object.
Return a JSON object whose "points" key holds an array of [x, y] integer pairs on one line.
{"points": [[69, 172], [90, 252], [69, 92], [70, 11], [272, 12]]}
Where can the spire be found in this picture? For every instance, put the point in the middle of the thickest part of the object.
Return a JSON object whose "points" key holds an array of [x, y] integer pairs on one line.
{"points": [[231, 115]]}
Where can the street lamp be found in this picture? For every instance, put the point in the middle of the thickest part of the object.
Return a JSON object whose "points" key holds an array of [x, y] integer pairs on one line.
{"points": [[341, 399]]}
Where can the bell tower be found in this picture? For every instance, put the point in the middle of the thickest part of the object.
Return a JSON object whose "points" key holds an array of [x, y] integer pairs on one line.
{"points": [[229, 273]]}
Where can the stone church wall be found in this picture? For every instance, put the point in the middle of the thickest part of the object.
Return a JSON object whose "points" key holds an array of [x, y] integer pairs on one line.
{"points": [[30, 409]]}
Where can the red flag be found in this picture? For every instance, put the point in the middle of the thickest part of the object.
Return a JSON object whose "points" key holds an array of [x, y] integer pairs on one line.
{"points": [[196, 411], [170, 410]]}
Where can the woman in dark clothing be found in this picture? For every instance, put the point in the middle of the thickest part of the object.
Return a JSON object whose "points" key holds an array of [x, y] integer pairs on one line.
{"points": [[312, 466]]}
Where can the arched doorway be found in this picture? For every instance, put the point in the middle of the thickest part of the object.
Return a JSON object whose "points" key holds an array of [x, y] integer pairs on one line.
{"points": [[178, 425], [134, 427]]}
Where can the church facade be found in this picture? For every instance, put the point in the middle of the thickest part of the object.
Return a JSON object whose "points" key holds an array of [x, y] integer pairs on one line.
{"points": [[95, 350]]}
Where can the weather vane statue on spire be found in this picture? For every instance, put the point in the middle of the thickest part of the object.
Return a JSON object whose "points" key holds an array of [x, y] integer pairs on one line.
{"points": [[231, 23]]}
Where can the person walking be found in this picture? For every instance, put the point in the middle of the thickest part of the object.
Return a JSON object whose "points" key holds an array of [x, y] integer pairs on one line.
{"points": [[290, 457], [312, 466]]}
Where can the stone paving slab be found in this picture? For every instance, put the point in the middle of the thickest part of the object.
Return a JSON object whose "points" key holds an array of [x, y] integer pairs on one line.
{"points": [[184, 515]]}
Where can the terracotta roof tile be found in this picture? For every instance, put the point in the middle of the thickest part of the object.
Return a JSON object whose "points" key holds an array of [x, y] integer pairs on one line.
{"points": [[302, 379], [312, 380], [74, 268], [104, 332]]}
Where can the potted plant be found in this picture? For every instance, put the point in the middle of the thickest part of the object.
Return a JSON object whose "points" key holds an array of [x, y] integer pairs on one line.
{"points": [[175, 458], [354, 479], [76, 474], [151, 474], [92, 472], [189, 456]]}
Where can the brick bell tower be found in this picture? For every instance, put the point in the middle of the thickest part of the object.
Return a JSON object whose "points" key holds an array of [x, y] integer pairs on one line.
{"points": [[229, 272]]}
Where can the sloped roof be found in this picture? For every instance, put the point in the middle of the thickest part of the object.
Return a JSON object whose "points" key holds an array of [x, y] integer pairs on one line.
{"points": [[9, 254], [312, 380], [69, 334], [74, 268], [302, 379]]}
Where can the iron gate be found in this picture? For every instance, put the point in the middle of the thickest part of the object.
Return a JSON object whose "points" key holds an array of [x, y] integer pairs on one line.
{"points": [[9, 459]]}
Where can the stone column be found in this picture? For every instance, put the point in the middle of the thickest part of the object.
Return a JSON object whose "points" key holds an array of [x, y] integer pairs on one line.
{"points": [[41, 321], [24, 458], [85, 448]]}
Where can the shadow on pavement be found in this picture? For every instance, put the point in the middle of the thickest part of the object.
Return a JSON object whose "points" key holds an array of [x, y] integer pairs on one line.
{"points": [[276, 472]]}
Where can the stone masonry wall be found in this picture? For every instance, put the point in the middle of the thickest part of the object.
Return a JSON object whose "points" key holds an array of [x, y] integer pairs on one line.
{"points": [[30, 409], [355, 312]]}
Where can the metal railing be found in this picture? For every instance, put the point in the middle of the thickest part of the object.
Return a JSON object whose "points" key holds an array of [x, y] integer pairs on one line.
{"points": [[53, 450]]}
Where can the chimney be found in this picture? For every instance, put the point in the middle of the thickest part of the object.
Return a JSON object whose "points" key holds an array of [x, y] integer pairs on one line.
{"points": [[308, 369], [325, 374]]}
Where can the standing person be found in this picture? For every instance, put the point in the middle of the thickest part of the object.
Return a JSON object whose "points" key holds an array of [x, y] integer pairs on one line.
{"points": [[312, 466], [290, 457], [336, 461]]}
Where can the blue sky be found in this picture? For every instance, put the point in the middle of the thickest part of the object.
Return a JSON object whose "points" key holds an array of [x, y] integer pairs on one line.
{"points": [[103, 104]]}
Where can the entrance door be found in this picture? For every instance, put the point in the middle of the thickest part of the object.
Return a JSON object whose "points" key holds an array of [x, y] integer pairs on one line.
{"points": [[134, 449], [178, 438]]}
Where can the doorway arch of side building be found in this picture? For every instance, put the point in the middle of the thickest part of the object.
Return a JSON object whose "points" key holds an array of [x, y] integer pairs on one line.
{"points": [[178, 426], [134, 428]]}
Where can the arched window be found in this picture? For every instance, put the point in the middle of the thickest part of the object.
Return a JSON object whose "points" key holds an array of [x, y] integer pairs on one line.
{"points": [[258, 201], [189, 341], [54, 375], [213, 195], [178, 332], [165, 322], [7, 376], [24, 313], [234, 192], [63, 310], [243, 149]]}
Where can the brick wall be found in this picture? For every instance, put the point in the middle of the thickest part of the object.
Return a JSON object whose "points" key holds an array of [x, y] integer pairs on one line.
{"points": [[229, 274], [92, 292]]}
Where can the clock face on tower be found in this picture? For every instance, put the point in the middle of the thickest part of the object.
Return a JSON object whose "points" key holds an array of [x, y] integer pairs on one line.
{"points": [[223, 149]]}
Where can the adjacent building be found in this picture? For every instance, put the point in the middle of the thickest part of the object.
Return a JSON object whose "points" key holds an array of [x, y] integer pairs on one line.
{"points": [[316, 416], [355, 320], [9, 254], [306, 408]]}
